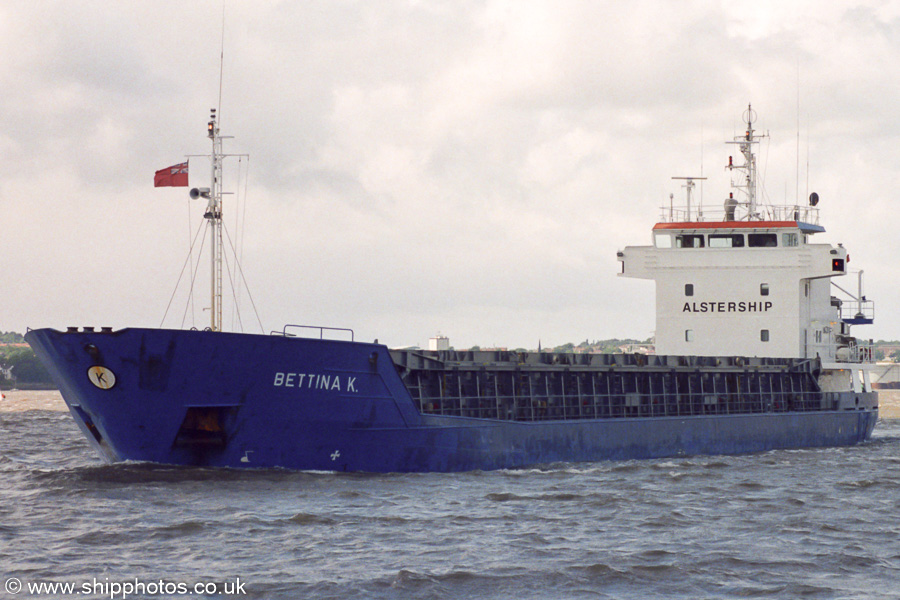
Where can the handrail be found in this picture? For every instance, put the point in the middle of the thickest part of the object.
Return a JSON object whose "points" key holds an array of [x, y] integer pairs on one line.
{"points": [[321, 328], [764, 212], [857, 309]]}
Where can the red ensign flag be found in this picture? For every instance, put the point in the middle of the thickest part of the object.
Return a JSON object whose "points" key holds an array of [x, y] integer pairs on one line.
{"points": [[176, 175]]}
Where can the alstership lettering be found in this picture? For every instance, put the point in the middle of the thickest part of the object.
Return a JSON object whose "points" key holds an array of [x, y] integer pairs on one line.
{"points": [[726, 307], [316, 381]]}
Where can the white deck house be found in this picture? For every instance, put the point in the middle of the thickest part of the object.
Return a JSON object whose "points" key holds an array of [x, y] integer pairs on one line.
{"points": [[748, 281]]}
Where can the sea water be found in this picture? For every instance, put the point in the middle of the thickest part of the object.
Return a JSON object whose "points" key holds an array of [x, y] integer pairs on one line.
{"points": [[820, 523]]}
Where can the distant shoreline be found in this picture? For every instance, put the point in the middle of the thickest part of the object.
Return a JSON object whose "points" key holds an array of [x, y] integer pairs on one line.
{"points": [[27, 400], [32, 387]]}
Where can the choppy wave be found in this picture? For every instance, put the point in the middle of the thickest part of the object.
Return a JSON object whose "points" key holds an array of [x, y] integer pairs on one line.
{"points": [[783, 524]]}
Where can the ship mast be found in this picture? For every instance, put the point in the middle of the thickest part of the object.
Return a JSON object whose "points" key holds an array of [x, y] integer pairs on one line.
{"points": [[214, 217], [745, 145]]}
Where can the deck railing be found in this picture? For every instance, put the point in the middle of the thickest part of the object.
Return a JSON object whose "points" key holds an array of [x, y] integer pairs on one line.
{"points": [[859, 312], [322, 329], [681, 214]]}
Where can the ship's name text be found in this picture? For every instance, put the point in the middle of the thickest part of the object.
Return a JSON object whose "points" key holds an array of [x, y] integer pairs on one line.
{"points": [[721, 307], [316, 381]]}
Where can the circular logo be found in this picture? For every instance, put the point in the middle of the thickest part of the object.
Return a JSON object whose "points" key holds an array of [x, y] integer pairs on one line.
{"points": [[13, 585], [102, 377]]}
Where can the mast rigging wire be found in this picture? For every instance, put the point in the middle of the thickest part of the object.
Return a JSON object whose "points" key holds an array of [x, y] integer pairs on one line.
{"points": [[193, 279], [240, 269], [181, 274]]}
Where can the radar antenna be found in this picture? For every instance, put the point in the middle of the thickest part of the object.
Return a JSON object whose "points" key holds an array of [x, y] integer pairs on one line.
{"points": [[689, 188]]}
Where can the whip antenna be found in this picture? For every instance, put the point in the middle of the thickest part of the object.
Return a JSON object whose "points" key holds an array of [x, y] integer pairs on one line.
{"points": [[221, 60]]}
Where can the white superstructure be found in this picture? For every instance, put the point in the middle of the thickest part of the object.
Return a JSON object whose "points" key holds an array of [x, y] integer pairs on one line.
{"points": [[748, 281]]}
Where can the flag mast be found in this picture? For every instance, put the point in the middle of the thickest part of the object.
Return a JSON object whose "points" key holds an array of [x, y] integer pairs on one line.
{"points": [[214, 217], [177, 175]]}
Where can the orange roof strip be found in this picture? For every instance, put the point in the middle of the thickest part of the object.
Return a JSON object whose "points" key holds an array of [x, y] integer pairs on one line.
{"points": [[727, 225]]}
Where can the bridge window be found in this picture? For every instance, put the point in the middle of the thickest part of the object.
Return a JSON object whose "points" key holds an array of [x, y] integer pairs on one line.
{"points": [[663, 240], [790, 239], [729, 240], [688, 241], [762, 240]]}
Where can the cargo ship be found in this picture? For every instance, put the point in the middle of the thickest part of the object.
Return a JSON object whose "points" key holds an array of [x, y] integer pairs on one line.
{"points": [[753, 353]]}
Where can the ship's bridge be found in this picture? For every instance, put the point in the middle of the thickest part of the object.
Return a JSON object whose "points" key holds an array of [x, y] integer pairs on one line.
{"points": [[786, 226], [744, 279], [733, 234], [756, 287]]}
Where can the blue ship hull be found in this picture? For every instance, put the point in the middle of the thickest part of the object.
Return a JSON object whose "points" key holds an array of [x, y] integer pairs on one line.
{"points": [[241, 400]]}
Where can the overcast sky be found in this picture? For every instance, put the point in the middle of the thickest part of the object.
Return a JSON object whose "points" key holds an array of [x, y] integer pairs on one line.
{"points": [[462, 167]]}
